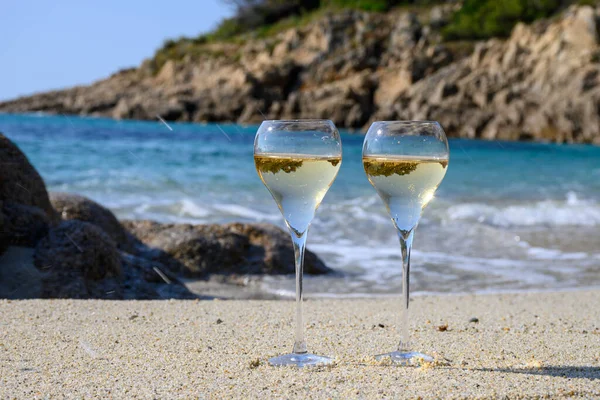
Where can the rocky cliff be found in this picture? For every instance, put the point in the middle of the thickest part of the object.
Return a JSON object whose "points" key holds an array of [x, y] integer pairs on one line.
{"points": [[542, 83]]}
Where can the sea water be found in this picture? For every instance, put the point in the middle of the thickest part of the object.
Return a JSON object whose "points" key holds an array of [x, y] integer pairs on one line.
{"points": [[508, 216]]}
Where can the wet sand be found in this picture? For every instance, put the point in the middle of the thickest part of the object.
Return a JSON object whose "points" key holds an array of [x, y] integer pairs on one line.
{"points": [[524, 345]]}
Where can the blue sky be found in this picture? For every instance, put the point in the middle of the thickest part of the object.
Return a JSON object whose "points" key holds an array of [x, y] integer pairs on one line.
{"points": [[53, 44]]}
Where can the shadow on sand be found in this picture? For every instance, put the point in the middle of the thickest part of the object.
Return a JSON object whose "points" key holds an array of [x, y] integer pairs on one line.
{"points": [[565, 371]]}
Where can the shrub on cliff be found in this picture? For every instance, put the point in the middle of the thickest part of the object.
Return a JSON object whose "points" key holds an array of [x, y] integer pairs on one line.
{"points": [[251, 15], [481, 19], [376, 5]]}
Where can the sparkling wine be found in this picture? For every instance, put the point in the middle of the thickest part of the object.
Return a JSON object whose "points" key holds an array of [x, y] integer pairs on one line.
{"points": [[298, 183], [405, 184]]}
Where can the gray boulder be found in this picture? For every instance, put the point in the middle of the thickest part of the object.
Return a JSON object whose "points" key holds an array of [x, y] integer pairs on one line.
{"points": [[230, 249], [79, 260], [25, 210], [72, 206], [25, 225], [271, 250], [80, 247], [85, 256], [19, 181], [3, 233]]}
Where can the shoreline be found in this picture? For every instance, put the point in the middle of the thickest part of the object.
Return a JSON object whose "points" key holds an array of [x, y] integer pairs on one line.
{"points": [[523, 345], [253, 291]]}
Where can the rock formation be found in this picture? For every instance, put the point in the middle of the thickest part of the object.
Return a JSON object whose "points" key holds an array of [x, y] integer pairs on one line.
{"points": [[543, 83], [25, 209], [67, 246], [201, 250], [74, 207], [354, 67]]}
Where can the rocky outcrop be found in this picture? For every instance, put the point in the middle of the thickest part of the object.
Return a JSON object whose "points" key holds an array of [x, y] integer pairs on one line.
{"points": [[81, 250], [79, 246], [230, 249], [542, 83], [44, 257], [3, 234], [25, 209], [19, 181], [354, 67], [24, 225], [76, 256], [71, 206]]}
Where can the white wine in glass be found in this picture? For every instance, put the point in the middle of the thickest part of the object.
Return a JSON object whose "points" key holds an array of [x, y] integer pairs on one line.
{"points": [[298, 161], [405, 162], [298, 183]]}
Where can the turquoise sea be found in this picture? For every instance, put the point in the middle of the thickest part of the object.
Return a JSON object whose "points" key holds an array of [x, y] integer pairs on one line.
{"points": [[508, 216]]}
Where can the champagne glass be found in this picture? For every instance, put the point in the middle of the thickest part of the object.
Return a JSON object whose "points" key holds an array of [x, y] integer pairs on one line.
{"points": [[298, 161], [405, 162]]}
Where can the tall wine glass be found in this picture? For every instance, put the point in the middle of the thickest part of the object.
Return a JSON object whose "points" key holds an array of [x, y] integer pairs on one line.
{"points": [[405, 162], [298, 161]]}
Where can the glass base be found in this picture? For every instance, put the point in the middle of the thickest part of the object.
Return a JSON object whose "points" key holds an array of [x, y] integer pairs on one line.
{"points": [[299, 360], [405, 358]]}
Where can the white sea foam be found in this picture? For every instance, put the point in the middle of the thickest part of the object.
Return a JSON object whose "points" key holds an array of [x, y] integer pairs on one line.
{"points": [[572, 212], [190, 208], [236, 210], [540, 253], [381, 264]]}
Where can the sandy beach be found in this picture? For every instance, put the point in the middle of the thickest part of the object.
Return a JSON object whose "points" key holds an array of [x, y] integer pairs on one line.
{"points": [[524, 346]]}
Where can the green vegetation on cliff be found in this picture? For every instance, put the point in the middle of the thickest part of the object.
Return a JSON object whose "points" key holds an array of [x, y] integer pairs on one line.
{"points": [[482, 19], [474, 20], [262, 15], [264, 18]]}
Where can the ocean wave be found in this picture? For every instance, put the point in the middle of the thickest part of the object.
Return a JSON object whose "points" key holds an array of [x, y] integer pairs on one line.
{"points": [[572, 212], [372, 271], [540, 253], [186, 210], [371, 257], [193, 209], [236, 210]]}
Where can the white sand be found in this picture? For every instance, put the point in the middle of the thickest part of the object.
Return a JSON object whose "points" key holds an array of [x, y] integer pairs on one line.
{"points": [[526, 345]]}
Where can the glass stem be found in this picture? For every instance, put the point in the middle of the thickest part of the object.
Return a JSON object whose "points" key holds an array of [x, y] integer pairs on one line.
{"points": [[406, 239], [299, 247]]}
